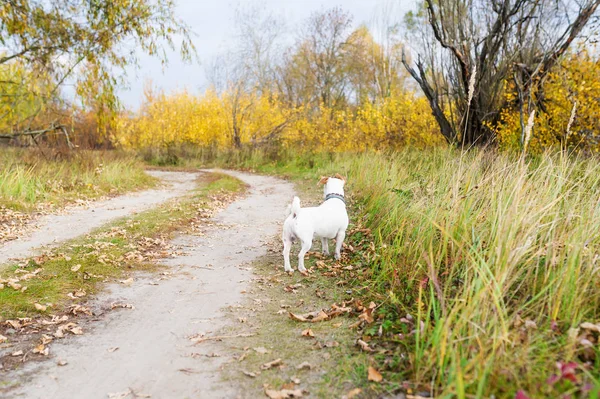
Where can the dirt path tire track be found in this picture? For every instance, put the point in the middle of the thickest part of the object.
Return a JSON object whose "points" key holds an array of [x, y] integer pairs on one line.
{"points": [[155, 353], [53, 229]]}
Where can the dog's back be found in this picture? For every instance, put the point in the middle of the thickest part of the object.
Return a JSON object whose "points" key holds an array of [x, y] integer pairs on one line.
{"points": [[324, 220]]}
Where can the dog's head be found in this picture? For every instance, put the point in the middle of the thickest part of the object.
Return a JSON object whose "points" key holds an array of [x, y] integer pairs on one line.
{"points": [[333, 185]]}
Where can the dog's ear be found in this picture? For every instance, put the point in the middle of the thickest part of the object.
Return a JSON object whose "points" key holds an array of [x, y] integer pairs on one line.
{"points": [[342, 178], [323, 180]]}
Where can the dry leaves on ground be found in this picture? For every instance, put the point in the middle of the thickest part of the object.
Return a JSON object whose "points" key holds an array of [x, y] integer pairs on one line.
{"points": [[119, 395], [354, 306], [308, 333], [116, 305], [364, 346], [304, 366], [271, 364], [312, 317], [13, 224], [284, 393], [374, 375], [353, 393]]}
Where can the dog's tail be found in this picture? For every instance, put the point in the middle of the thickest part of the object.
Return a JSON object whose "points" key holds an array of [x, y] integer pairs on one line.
{"points": [[294, 208]]}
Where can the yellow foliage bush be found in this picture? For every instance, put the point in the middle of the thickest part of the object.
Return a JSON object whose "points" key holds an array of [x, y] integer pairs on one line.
{"points": [[21, 95], [213, 119], [576, 84]]}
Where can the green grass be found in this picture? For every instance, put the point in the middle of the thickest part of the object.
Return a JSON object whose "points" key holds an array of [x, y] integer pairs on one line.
{"points": [[29, 177], [495, 257], [103, 254]]}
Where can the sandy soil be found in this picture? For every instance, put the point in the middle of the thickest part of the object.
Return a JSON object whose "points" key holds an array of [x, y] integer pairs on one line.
{"points": [[155, 351]]}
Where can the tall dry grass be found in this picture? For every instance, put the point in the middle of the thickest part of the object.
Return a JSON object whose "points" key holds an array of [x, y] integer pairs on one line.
{"points": [[29, 177], [498, 259]]}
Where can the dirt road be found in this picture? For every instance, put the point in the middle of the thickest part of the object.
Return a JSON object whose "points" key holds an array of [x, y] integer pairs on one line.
{"points": [[150, 350]]}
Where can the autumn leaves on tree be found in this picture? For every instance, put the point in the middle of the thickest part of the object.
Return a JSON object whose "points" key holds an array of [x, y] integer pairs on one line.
{"points": [[474, 73]]}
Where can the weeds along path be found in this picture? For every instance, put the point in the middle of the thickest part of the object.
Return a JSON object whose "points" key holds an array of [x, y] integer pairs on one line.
{"points": [[163, 348], [71, 224]]}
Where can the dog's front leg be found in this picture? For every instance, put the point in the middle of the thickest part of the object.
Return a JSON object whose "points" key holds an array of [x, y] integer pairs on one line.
{"points": [[339, 240], [287, 246], [305, 247], [325, 245]]}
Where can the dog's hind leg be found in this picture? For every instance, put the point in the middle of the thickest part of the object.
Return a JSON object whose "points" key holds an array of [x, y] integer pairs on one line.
{"points": [[287, 246], [325, 245], [339, 240], [305, 247]]}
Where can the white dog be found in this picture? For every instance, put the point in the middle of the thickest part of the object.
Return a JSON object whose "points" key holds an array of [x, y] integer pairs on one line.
{"points": [[328, 220]]}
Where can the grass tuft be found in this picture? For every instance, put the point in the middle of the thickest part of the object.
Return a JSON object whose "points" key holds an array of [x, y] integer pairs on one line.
{"points": [[29, 178]]}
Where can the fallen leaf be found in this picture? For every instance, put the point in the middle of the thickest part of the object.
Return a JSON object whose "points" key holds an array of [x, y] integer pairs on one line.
{"points": [[76, 330], [374, 375], [249, 374], [590, 326], [15, 286], [41, 349], [364, 346], [129, 281], [75, 268], [13, 323], [304, 366], [367, 314], [308, 333], [312, 317], [284, 393], [274, 363], [39, 307], [114, 348], [115, 305], [351, 394], [320, 317], [75, 309], [61, 362], [3, 339], [17, 353], [119, 395]]}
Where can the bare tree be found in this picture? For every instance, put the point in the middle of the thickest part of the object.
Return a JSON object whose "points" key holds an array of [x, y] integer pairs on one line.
{"points": [[258, 36], [314, 71], [386, 56], [248, 69], [471, 48]]}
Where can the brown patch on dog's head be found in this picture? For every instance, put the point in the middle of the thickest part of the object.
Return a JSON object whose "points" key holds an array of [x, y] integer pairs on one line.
{"points": [[323, 180], [342, 178]]}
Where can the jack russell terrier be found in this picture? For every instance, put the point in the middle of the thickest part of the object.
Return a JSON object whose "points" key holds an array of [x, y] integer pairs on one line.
{"points": [[328, 220]]}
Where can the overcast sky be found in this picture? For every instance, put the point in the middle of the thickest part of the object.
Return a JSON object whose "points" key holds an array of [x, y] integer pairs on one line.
{"points": [[213, 23]]}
